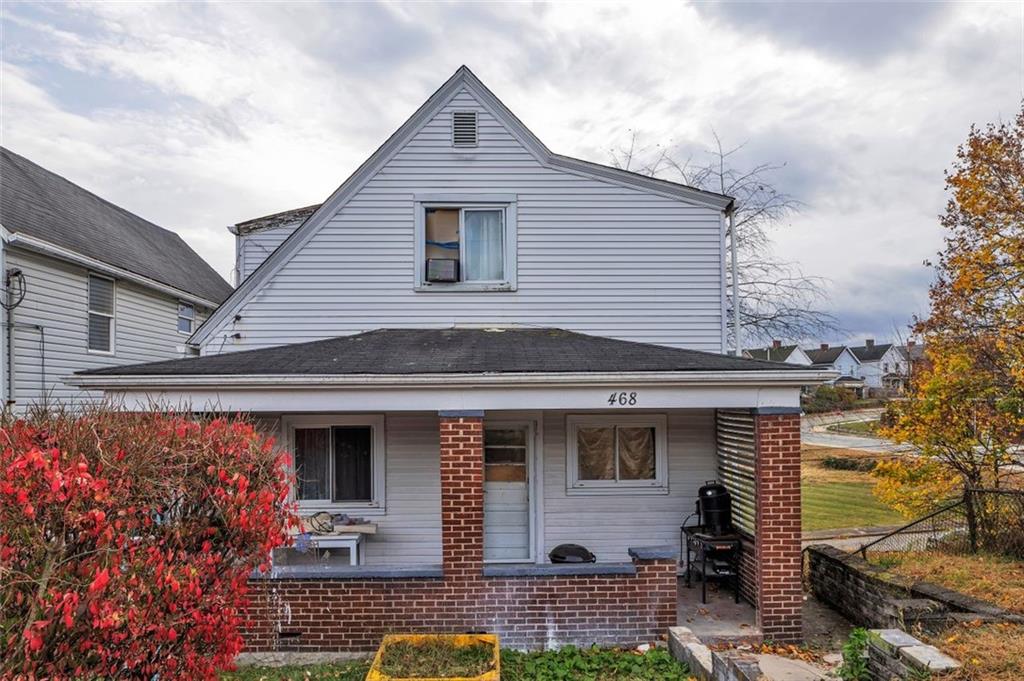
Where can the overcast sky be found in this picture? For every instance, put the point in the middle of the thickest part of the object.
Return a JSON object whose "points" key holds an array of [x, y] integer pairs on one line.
{"points": [[196, 116]]}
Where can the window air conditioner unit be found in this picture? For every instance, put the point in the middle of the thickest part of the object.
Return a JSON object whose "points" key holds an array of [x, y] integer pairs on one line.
{"points": [[442, 269]]}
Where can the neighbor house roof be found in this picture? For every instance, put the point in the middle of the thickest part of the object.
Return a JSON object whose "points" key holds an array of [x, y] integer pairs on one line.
{"points": [[463, 78], [826, 355], [870, 353], [911, 353], [46, 207], [773, 354], [452, 350]]}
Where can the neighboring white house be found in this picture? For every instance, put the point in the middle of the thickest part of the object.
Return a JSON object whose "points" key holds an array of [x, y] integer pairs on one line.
{"points": [[88, 285], [777, 352], [882, 365], [837, 358], [466, 277]]}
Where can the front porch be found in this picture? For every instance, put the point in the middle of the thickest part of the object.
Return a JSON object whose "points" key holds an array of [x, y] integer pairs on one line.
{"points": [[473, 478]]}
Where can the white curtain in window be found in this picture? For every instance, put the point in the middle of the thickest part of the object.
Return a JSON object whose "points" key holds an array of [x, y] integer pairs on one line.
{"points": [[484, 244]]}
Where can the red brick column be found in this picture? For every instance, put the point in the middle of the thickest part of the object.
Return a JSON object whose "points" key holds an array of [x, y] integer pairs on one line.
{"points": [[462, 494], [778, 559]]}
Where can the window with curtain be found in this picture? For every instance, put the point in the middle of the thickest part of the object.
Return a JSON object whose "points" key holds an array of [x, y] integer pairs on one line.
{"points": [[101, 314], [338, 464], [609, 453], [465, 245]]}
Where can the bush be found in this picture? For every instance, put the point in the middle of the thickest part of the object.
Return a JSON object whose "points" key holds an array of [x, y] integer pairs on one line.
{"points": [[829, 398], [126, 541], [849, 463], [855, 664]]}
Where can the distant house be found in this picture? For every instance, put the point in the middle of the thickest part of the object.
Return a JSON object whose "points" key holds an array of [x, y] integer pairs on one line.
{"points": [[839, 358], [881, 365], [88, 285], [777, 352], [912, 356]]}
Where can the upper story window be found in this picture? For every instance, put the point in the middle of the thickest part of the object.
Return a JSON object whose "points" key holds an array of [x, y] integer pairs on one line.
{"points": [[608, 454], [101, 314], [186, 317], [465, 246]]}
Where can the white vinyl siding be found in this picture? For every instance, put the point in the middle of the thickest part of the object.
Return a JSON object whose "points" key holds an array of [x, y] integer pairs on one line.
{"points": [[592, 256], [253, 248], [609, 526], [57, 300], [409, 533]]}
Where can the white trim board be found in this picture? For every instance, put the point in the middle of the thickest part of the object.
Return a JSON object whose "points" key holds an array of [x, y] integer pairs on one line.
{"points": [[299, 399], [463, 78]]}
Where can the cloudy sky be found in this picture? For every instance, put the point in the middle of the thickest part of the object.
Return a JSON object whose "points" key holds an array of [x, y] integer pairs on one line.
{"points": [[197, 115]]}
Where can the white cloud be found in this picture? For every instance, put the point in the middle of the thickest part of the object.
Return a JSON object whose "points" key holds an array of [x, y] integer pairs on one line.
{"points": [[199, 115]]}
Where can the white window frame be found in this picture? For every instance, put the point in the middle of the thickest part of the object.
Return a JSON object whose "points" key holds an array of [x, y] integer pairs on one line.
{"points": [[378, 457], [191, 320], [463, 202], [575, 486], [112, 317]]}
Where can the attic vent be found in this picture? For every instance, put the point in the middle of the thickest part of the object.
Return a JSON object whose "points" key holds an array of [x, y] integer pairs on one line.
{"points": [[464, 129]]}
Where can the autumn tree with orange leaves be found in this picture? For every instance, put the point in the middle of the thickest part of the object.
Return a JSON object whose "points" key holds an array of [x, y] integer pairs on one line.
{"points": [[965, 412]]}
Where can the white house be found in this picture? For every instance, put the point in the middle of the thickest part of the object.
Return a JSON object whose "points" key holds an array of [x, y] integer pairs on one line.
{"points": [[488, 349], [882, 365], [88, 285], [777, 352]]}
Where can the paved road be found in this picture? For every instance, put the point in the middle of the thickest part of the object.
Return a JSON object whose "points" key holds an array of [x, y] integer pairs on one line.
{"points": [[814, 431]]}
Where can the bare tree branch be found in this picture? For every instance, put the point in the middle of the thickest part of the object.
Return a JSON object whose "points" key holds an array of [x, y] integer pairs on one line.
{"points": [[777, 300]]}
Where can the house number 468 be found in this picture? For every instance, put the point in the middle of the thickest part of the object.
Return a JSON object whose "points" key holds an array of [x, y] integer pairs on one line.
{"points": [[622, 399]]}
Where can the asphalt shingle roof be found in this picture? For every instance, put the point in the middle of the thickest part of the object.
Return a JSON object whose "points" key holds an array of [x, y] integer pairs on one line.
{"points": [[286, 217], [779, 354], [827, 356], [44, 205], [440, 351], [870, 353]]}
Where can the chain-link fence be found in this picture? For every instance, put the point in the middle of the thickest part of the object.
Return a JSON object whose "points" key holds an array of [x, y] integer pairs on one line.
{"points": [[984, 520]]}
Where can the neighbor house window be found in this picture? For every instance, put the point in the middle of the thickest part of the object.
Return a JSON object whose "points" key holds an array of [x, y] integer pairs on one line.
{"points": [[339, 462], [468, 246], [101, 314], [186, 317], [617, 454]]}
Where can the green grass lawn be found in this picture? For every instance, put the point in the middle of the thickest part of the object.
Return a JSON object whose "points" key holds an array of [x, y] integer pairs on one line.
{"points": [[866, 428], [587, 664], [831, 505], [341, 671]]}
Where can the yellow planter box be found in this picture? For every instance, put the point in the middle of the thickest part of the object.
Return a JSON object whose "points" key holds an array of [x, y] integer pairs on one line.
{"points": [[493, 674]]}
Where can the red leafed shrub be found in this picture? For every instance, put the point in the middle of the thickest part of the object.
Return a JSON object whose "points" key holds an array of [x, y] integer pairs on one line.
{"points": [[126, 541]]}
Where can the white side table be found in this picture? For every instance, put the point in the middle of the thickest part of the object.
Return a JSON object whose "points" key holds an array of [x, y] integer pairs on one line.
{"points": [[349, 540]]}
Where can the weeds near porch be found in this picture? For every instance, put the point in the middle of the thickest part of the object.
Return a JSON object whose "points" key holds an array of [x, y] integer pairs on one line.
{"points": [[592, 664], [855, 662], [430, 659]]}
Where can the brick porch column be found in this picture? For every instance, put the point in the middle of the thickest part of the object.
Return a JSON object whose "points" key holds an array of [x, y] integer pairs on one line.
{"points": [[778, 560], [462, 493]]}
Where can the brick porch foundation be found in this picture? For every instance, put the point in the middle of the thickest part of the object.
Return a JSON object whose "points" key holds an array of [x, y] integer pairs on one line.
{"points": [[529, 607]]}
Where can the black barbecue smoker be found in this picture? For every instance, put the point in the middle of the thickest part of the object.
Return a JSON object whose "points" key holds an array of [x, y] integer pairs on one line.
{"points": [[711, 547]]}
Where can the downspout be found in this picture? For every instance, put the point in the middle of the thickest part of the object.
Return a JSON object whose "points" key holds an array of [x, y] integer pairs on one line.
{"points": [[735, 282]]}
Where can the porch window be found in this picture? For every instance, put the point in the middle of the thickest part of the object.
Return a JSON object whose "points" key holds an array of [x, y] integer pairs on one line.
{"points": [[462, 245], [617, 454], [339, 463]]}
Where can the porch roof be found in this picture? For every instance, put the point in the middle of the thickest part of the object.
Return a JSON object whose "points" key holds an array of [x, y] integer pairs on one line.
{"points": [[450, 351]]}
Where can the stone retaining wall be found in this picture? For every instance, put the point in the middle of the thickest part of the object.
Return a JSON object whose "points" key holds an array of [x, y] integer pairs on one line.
{"points": [[870, 596], [894, 655]]}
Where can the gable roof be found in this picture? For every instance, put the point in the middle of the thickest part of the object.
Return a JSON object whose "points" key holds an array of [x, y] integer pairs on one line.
{"points": [[911, 353], [43, 205], [827, 356], [462, 78], [870, 353], [450, 351], [771, 353]]}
